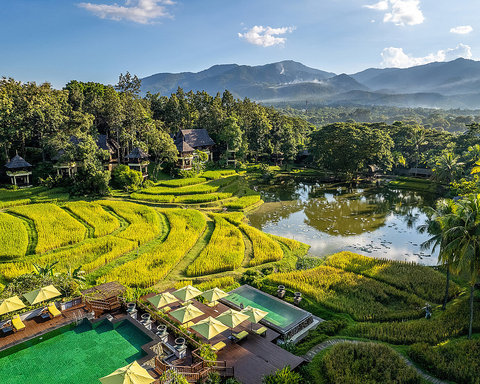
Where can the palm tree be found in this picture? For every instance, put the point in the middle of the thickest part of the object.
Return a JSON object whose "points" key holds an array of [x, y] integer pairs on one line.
{"points": [[417, 140], [46, 270], [463, 233], [436, 228], [447, 167]]}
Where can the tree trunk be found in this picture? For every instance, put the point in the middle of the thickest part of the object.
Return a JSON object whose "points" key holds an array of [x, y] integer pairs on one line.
{"points": [[445, 299], [470, 327]]}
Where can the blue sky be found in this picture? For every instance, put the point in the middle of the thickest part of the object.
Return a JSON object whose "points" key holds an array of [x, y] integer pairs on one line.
{"points": [[95, 40]]}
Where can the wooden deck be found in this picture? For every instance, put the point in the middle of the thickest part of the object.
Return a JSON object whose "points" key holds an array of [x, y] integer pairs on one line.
{"points": [[37, 326], [251, 358]]}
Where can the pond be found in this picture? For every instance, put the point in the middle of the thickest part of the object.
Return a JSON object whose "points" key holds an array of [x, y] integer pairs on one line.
{"points": [[370, 220]]}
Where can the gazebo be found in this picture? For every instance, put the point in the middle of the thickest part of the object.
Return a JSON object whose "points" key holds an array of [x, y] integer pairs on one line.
{"points": [[19, 171], [138, 160]]}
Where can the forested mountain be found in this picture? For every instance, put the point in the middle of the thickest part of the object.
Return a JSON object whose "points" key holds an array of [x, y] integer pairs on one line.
{"points": [[453, 84]]}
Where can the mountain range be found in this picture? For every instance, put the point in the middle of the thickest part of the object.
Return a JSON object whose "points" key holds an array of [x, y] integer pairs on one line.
{"points": [[453, 84]]}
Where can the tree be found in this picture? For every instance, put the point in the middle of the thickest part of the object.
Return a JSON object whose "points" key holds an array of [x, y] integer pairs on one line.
{"points": [[125, 178], [463, 233], [417, 140], [447, 168], [128, 84], [161, 145], [283, 376], [435, 226]]}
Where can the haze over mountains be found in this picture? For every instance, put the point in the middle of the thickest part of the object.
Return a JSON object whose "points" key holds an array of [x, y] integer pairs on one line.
{"points": [[454, 84]]}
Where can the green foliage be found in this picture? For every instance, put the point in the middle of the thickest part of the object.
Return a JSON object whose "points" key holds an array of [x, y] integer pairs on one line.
{"points": [[13, 237], [182, 182], [94, 215], [153, 198], [201, 198], [214, 175], [283, 376], [224, 252], [361, 297], [319, 334], [243, 202], [422, 281], [265, 249], [454, 360], [54, 227], [125, 178], [366, 363], [414, 184], [187, 190], [14, 203]]}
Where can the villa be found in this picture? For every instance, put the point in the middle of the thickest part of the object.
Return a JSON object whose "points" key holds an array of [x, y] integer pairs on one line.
{"points": [[157, 336], [188, 141]]}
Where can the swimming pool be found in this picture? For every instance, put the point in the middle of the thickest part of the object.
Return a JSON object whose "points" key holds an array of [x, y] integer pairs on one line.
{"points": [[282, 316], [73, 354]]}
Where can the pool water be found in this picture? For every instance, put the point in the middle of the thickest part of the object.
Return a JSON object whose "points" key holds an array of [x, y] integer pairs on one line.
{"points": [[280, 314], [72, 356]]}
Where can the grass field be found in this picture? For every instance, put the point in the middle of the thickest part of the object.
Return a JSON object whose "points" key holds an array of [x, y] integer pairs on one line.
{"points": [[13, 237], [95, 216]]}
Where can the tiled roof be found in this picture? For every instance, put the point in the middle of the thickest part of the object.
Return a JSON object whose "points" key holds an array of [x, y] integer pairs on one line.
{"points": [[137, 153], [107, 144], [17, 162], [197, 137], [182, 146]]}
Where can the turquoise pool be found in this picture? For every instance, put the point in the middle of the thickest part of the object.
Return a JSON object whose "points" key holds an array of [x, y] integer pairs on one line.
{"points": [[72, 355], [281, 315]]}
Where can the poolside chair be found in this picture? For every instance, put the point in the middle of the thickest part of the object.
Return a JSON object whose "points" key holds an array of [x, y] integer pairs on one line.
{"points": [[219, 346], [17, 323], [166, 309], [240, 336], [261, 331], [53, 310]]}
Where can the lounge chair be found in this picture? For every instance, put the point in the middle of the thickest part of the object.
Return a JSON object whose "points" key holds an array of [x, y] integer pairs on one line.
{"points": [[261, 331], [53, 310], [166, 309], [240, 336], [219, 346], [188, 324], [17, 323]]}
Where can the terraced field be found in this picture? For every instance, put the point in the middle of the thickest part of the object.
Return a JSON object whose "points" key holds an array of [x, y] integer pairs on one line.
{"points": [[137, 244]]}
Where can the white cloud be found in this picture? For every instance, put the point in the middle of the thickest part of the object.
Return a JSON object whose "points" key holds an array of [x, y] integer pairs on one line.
{"points": [[266, 36], [462, 29], [138, 11], [396, 57], [399, 12]]}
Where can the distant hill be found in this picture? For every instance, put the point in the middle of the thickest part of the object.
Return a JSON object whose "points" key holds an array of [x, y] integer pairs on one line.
{"points": [[454, 84]]}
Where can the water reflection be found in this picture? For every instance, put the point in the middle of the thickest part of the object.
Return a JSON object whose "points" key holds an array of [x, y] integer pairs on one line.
{"points": [[369, 220]]}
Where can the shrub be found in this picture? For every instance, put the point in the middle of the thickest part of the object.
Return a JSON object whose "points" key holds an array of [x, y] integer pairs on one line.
{"points": [[366, 363], [13, 237], [55, 228], [243, 202], [363, 298], [457, 360], [283, 376], [265, 249], [126, 178], [94, 215], [224, 252], [420, 280]]}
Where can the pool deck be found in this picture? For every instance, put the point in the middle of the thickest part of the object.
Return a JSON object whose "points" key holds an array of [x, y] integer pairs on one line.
{"points": [[251, 358], [37, 326]]}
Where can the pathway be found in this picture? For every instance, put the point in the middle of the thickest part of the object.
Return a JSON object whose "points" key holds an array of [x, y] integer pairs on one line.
{"points": [[327, 344]]}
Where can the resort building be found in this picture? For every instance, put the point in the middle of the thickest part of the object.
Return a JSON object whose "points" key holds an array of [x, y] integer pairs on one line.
{"points": [[19, 171], [113, 148], [188, 141], [138, 161]]}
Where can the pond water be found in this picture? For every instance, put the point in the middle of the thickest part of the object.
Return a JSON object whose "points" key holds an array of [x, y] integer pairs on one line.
{"points": [[370, 220]]}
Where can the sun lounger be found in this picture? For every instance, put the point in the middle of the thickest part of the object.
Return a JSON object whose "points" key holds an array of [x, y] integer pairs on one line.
{"points": [[240, 336], [189, 324], [53, 310], [217, 347], [166, 309], [261, 331], [17, 323]]}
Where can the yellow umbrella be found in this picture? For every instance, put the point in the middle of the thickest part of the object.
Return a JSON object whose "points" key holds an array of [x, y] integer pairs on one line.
{"points": [[11, 304], [162, 299], [186, 313], [213, 295], [187, 293], [254, 314], [210, 327], [232, 318], [42, 294], [131, 374]]}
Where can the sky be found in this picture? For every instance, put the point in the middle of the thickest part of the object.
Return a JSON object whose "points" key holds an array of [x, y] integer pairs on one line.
{"points": [[96, 40]]}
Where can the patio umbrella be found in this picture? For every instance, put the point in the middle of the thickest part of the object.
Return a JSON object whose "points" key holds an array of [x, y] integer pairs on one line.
{"points": [[210, 327], [162, 299], [131, 374], [254, 314], [213, 295], [232, 318], [42, 294], [11, 304], [185, 314], [187, 293]]}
